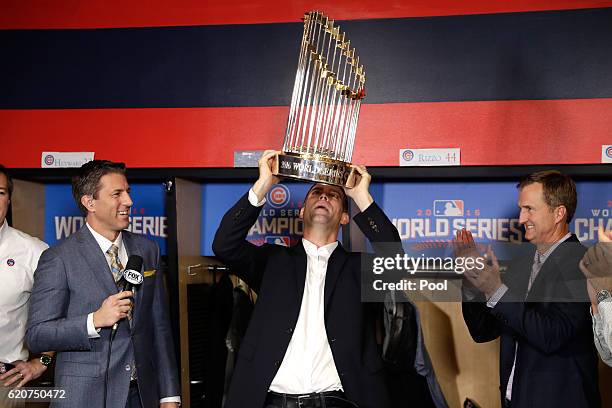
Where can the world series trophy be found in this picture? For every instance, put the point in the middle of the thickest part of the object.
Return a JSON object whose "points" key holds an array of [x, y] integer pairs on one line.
{"points": [[327, 93]]}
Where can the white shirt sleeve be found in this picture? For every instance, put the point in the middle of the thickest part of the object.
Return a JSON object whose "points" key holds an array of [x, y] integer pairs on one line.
{"points": [[170, 399], [253, 199], [501, 291], [602, 331], [92, 332]]}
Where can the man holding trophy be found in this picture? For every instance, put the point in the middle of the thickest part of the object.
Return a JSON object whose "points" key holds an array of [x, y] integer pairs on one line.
{"points": [[308, 342], [311, 341]]}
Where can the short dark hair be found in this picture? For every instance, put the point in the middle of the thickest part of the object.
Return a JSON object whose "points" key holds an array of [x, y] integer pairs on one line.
{"points": [[345, 201], [559, 189], [87, 181], [9, 180]]}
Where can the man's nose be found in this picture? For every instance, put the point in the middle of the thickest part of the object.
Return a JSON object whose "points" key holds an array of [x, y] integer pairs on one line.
{"points": [[128, 201], [324, 196], [522, 218]]}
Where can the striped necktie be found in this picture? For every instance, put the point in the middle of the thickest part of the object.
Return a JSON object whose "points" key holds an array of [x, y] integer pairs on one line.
{"points": [[535, 269], [117, 269], [115, 263]]}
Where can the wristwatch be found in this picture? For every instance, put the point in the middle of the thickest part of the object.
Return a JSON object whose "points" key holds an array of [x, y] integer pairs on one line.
{"points": [[46, 360], [602, 295]]}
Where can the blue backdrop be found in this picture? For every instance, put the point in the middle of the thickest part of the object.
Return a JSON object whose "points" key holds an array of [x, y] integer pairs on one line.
{"points": [[426, 214], [148, 217]]}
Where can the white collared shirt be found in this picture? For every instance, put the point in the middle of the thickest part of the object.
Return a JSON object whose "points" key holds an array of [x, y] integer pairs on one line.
{"points": [[602, 330], [19, 254], [308, 365], [105, 245]]}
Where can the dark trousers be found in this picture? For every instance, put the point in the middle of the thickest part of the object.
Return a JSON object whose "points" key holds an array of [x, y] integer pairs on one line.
{"points": [[332, 401]]}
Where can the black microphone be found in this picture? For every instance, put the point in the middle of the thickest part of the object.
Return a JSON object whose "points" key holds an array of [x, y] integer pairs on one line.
{"points": [[131, 277]]}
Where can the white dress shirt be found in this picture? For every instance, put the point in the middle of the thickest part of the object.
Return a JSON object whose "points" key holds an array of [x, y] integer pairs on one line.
{"points": [[105, 245], [19, 254], [308, 365], [602, 330]]}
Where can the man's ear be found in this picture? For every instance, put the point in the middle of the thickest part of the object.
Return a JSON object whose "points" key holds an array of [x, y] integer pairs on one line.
{"points": [[302, 213], [345, 219], [560, 213], [88, 202]]}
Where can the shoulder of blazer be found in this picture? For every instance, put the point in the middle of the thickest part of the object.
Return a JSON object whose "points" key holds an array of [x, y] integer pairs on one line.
{"points": [[140, 241], [569, 249]]}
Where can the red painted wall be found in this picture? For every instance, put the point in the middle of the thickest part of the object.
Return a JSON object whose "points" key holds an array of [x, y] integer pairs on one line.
{"points": [[488, 133]]}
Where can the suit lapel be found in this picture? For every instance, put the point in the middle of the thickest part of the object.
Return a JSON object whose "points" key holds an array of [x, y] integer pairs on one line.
{"points": [[524, 272], [334, 268], [98, 267], [133, 249]]}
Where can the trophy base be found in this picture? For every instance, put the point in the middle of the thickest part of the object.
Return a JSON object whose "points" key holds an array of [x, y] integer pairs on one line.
{"points": [[314, 168]]}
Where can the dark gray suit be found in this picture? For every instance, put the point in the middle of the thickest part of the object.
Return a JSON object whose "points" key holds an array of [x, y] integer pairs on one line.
{"points": [[556, 361], [71, 281]]}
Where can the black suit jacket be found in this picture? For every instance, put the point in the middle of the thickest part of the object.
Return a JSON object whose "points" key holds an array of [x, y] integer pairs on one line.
{"points": [[556, 361], [278, 275]]}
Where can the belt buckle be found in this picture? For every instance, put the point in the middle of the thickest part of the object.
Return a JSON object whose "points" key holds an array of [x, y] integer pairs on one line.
{"points": [[301, 398]]}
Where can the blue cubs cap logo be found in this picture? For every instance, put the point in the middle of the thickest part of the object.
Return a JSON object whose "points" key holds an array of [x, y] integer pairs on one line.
{"points": [[49, 159], [10, 262]]}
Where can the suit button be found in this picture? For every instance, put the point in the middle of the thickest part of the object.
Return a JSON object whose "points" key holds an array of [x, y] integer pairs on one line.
{"points": [[128, 367], [332, 340], [289, 330], [277, 363]]}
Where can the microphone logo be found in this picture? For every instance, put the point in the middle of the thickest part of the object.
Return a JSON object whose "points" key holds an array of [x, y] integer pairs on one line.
{"points": [[133, 277]]}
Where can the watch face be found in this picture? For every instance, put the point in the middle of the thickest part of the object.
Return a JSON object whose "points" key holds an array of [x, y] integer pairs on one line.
{"points": [[603, 295], [45, 360]]}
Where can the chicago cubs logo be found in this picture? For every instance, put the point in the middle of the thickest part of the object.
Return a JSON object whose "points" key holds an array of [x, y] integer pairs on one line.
{"points": [[408, 155], [49, 159], [609, 152], [10, 262], [278, 196]]}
